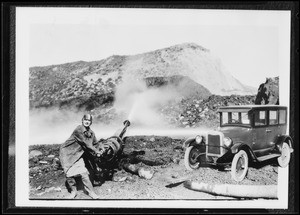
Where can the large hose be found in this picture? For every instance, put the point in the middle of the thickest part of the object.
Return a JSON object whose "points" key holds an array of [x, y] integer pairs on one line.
{"points": [[238, 191]]}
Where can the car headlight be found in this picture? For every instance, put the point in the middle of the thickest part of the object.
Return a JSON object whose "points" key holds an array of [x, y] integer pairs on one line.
{"points": [[227, 141], [198, 139]]}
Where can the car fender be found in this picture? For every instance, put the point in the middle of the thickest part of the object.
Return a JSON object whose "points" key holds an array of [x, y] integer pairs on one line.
{"points": [[284, 138], [236, 147], [188, 142], [242, 146]]}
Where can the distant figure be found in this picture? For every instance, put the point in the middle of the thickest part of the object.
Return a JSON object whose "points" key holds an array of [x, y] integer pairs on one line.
{"points": [[71, 156]]}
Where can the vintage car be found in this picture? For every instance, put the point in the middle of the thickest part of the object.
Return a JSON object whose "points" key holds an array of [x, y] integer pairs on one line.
{"points": [[248, 133]]}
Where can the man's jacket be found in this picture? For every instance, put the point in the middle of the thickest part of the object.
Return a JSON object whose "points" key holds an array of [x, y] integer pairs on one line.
{"points": [[81, 140]]}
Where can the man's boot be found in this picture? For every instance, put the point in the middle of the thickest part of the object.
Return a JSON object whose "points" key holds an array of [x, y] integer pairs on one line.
{"points": [[72, 185], [88, 186]]}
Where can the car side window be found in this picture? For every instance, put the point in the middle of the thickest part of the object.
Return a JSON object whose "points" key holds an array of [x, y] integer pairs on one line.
{"points": [[225, 118], [245, 118], [282, 116], [273, 117], [260, 118], [234, 117]]}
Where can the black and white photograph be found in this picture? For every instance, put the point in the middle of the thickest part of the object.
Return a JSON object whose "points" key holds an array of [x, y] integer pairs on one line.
{"points": [[152, 108]]}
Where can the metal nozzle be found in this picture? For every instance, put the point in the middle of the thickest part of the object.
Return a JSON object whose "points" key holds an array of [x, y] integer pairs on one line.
{"points": [[126, 123]]}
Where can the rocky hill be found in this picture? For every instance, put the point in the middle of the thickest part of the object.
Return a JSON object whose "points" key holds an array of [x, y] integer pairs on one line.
{"points": [[189, 66], [189, 60], [268, 92], [184, 85], [71, 84]]}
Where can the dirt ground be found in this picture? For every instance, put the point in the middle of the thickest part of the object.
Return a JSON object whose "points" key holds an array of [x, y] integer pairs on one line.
{"points": [[162, 155]]}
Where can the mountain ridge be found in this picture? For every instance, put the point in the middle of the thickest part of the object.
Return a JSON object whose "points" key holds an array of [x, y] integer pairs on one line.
{"points": [[58, 83]]}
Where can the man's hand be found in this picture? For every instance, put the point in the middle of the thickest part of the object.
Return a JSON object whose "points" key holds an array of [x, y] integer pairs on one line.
{"points": [[104, 149]]}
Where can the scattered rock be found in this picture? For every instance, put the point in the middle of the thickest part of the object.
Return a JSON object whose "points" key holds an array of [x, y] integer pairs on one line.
{"points": [[147, 174], [130, 179], [35, 153], [178, 147], [176, 160], [122, 179], [39, 194], [174, 176], [57, 189], [49, 189], [152, 139], [43, 162], [34, 170], [56, 163]]}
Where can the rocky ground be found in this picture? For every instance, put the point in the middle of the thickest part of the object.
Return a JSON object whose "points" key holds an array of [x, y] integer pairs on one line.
{"points": [[162, 155]]}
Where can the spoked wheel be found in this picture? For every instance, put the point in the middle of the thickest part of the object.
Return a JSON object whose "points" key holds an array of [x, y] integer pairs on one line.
{"points": [[191, 158], [239, 166], [285, 157]]}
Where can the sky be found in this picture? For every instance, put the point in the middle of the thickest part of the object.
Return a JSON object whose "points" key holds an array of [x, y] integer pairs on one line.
{"points": [[247, 42]]}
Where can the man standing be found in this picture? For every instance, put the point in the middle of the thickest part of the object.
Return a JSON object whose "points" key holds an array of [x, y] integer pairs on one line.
{"points": [[71, 156]]}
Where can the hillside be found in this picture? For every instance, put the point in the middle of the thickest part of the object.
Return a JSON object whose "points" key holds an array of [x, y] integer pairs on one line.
{"points": [[75, 83], [189, 60]]}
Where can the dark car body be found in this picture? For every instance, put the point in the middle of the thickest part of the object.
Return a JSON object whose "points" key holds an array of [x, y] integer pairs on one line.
{"points": [[258, 130], [262, 135]]}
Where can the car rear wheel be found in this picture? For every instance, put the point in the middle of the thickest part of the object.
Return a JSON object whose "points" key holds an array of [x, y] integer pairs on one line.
{"points": [[191, 158], [285, 157], [239, 166]]}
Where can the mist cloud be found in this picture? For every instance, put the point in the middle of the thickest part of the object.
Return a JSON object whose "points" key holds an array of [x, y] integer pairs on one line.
{"points": [[137, 103], [55, 126], [141, 104]]}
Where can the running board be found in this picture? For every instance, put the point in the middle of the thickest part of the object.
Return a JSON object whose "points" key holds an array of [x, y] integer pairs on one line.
{"points": [[267, 157]]}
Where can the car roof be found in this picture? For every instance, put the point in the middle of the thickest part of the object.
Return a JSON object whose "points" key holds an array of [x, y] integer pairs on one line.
{"points": [[245, 108]]}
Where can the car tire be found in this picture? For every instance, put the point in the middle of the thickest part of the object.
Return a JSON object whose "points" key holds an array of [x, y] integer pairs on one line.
{"points": [[239, 165], [190, 162], [284, 159]]}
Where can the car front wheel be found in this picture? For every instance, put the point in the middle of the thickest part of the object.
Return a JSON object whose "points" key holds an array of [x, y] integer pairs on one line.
{"points": [[285, 157], [239, 166], [191, 158]]}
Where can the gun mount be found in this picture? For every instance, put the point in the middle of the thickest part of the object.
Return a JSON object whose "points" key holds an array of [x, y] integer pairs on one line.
{"points": [[111, 157], [112, 147]]}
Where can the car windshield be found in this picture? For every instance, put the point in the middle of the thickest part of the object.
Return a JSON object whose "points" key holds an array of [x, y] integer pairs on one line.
{"points": [[235, 118]]}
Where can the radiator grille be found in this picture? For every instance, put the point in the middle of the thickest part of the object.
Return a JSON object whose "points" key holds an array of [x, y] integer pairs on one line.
{"points": [[214, 144]]}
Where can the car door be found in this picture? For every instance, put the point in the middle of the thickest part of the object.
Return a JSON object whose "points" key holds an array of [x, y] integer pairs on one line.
{"points": [[260, 144], [273, 129]]}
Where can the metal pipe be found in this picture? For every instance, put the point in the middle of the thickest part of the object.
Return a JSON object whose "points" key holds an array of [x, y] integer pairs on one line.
{"points": [[238, 191], [126, 125]]}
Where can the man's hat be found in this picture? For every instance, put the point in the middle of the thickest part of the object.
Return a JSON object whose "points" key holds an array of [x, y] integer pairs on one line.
{"points": [[87, 117]]}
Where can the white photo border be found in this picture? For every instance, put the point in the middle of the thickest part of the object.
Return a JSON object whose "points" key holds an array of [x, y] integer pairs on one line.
{"points": [[25, 16]]}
